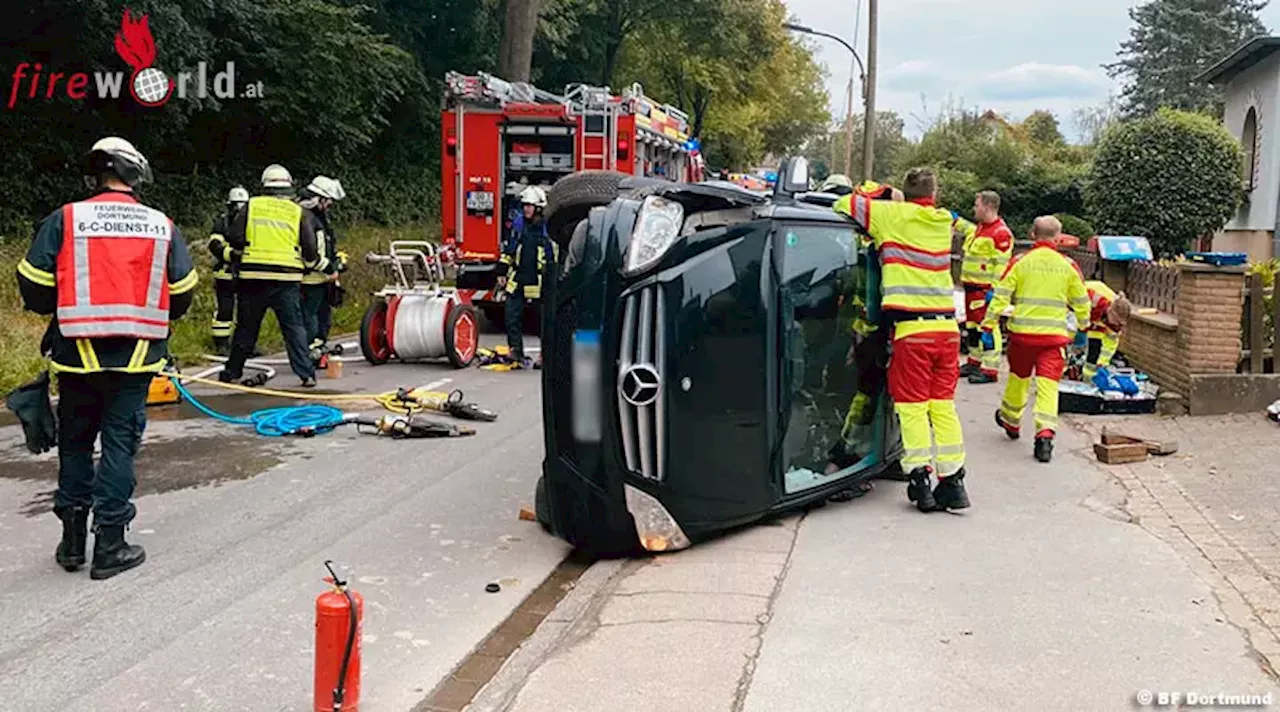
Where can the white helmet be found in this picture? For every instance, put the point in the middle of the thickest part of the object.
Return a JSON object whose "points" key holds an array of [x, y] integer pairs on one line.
{"points": [[326, 187], [533, 195], [120, 157], [836, 183], [238, 195], [276, 176]]}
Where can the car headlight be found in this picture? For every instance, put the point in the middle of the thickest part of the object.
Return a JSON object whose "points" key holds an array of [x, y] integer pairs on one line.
{"points": [[656, 231]]}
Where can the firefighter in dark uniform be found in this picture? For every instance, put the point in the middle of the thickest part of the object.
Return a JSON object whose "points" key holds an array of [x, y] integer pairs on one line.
{"points": [[526, 253], [319, 287], [274, 240], [224, 286], [113, 273]]}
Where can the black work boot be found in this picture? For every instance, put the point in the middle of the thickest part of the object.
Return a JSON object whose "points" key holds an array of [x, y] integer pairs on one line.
{"points": [[980, 377], [950, 492], [969, 369], [75, 532], [920, 489], [1044, 448], [222, 346], [112, 554]]}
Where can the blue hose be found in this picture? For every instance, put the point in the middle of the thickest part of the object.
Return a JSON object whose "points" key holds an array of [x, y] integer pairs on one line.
{"points": [[277, 422]]}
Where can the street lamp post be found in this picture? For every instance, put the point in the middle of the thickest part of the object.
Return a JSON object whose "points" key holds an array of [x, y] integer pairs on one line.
{"points": [[868, 96]]}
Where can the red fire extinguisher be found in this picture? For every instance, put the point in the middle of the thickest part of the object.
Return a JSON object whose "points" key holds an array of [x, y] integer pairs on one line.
{"points": [[339, 613]]}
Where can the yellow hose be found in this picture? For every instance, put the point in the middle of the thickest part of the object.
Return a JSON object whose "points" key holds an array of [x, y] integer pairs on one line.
{"points": [[297, 395], [420, 399]]}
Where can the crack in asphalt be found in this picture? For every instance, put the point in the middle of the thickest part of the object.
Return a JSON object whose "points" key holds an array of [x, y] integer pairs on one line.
{"points": [[749, 667]]}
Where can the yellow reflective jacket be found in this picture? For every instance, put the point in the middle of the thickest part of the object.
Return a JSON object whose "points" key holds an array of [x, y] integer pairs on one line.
{"points": [[1042, 285], [914, 242], [987, 249], [273, 241]]}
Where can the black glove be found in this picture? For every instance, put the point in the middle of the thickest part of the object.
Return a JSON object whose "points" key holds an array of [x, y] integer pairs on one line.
{"points": [[39, 422]]}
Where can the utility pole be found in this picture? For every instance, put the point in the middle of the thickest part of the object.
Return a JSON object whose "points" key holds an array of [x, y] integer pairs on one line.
{"points": [[869, 91], [848, 127]]}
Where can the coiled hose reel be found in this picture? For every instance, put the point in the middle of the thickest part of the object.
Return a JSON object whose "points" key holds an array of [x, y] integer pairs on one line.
{"points": [[417, 319]]}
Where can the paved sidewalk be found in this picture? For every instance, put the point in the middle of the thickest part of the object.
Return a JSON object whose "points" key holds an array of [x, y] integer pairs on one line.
{"points": [[1217, 498], [1044, 595]]}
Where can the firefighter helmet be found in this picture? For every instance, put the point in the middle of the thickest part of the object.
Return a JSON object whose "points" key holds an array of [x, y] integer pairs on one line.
{"points": [[533, 195], [116, 155], [326, 187], [238, 195], [837, 183], [276, 176]]}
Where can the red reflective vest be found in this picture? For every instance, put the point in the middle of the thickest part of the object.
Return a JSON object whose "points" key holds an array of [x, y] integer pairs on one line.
{"points": [[112, 270]]}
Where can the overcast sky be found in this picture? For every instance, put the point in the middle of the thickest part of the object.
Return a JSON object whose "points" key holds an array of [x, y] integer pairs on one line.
{"points": [[1014, 56]]}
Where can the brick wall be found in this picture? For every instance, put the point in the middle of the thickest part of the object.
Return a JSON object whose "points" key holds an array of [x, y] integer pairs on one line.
{"points": [[1204, 338], [1150, 343], [1210, 302]]}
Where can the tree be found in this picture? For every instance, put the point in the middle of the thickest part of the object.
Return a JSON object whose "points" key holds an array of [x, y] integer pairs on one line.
{"points": [[890, 142], [1188, 160], [515, 54], [1093, 121], [583, 40], [1173, 41], [749, 88], [975, 151], [1042, 131]]}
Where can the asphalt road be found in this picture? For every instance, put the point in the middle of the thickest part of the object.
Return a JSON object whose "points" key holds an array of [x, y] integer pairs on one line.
{"points": [[237, 528]]}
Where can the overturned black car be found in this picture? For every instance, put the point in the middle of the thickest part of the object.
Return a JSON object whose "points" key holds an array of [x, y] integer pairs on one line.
{"points": [[700, 369]]}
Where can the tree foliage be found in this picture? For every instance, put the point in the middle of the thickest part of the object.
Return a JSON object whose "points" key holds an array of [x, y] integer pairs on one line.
{"points": [[1173, 41], [749, 88], [353, 89], [826, 151], [1034, 172], [1170, 177]]}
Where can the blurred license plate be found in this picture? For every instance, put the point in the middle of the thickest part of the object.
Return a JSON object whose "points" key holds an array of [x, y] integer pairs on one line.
{"points": [[586, 386]]}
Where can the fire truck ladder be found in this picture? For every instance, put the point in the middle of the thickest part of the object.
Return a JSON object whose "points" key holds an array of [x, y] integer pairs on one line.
{"points": [[483, 88], [600, 121]]}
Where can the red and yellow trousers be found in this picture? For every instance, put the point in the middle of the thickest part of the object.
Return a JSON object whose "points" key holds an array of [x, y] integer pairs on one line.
{"points": [[1040, 360], [975, 309], [922, 382]]}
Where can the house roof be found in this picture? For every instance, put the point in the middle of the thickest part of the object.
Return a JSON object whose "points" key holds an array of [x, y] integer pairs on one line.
{"points": [[1245, 56]]}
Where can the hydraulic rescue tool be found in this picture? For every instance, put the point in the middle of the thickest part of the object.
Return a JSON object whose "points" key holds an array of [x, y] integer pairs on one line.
{"points": [[417, 318], [408, 401], [410, 426]]}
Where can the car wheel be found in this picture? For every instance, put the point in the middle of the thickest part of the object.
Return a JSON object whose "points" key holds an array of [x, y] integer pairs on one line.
{"points": [[573, 196]]}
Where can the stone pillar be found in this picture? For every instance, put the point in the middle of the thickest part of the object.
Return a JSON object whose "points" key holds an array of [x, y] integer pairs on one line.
{"points": [[1210, 305]]}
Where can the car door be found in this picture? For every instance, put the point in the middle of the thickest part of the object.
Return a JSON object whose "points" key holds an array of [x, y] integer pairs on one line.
{"points": [[831, 378]]}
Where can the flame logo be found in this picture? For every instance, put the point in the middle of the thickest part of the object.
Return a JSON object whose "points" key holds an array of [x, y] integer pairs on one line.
{"points": [[134, 42], [135, 45]]}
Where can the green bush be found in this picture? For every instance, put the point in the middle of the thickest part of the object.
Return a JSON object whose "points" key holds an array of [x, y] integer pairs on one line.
{"points": [[1170, 177], [1075, 225]]}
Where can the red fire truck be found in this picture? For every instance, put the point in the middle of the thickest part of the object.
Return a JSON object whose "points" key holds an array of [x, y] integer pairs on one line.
{"points": [[501, 137]]}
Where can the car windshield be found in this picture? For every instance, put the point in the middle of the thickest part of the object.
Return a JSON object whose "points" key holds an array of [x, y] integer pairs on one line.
{"points": [[829, 426]]}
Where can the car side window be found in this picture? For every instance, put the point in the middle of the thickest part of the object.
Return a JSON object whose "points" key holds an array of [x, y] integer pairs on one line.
{"points": [[823, 297]]}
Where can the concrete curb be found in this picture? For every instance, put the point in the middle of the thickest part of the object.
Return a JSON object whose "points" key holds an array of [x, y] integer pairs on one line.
{"points": [[576, 609]]}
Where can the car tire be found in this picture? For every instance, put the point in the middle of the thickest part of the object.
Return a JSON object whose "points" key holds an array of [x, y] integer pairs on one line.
{"points": [[573, 196]]}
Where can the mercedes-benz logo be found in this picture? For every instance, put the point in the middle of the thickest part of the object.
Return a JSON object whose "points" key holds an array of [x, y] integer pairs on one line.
{"points": [[640, 385]]}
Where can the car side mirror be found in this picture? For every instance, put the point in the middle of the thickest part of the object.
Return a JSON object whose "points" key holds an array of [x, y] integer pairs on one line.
{"points": [[793, 179]]}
